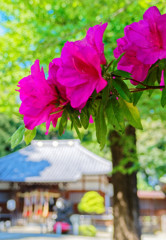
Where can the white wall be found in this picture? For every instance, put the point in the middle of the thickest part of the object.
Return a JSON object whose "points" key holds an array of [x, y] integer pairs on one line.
{"points": [[92, 183]]}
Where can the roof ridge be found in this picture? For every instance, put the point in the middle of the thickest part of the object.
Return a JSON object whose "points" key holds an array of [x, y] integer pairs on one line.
{"points": [[97, 157], [59, 141]]}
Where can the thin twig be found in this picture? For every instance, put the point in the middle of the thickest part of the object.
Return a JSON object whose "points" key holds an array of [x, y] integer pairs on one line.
{"points": [[136, 81], [147, 88]]}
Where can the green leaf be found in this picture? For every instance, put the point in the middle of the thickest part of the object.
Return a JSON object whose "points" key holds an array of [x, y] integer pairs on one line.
{"points": [[74, 124], [94, 94], [29, 135], [74, 116], [61, 129], [165, 76], [158, 75], [152, 77], [163, 97], [115, 63], [122, 89], [84, 117], [77, 120], [93, 107], [136, 97], [77, 130], [122, 74], [131, 113], [63, 122], [105, 94], [8, 140], [17, 136], [71, 125], [114, 114], [101, 127], [162, 64]]}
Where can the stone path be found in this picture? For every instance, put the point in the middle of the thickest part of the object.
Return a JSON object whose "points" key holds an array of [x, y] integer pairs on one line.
{"points": [[101, 236]]}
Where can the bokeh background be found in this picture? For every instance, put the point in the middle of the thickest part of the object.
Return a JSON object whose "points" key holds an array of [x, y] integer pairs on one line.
{"points": [[38, 29]]}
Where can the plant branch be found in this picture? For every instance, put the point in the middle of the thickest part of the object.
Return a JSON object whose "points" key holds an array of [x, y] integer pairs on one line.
{"points": [[147, 88]]}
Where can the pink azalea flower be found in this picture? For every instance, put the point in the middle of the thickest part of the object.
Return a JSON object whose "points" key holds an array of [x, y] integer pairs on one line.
{"points": [[52, 77], [122, 45], [80, 70], [39, 99], [149, 35], [94, 37], [144, 43], [129, 61]]}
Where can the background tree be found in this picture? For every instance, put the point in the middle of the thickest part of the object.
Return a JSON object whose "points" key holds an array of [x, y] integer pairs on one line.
{"points": [[125, 200]]}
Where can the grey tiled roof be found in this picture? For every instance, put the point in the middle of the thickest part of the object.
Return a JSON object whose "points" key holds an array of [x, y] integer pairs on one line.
{"points": [[52, 161]]}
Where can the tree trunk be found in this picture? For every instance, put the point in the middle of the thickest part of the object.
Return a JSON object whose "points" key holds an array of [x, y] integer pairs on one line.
{"points": [[125, 200]]}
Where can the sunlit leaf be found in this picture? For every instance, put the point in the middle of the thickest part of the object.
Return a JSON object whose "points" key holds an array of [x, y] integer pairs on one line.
{"points": [[17, 137], [131, 113], [29, 135]]}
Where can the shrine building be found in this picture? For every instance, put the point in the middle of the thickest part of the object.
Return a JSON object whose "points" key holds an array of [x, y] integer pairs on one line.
{"points": [[37, 175]]}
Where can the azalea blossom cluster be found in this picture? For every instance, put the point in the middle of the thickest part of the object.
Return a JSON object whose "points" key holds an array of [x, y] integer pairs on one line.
{"points": [[144, 43], [82, 73], [72, 78]]}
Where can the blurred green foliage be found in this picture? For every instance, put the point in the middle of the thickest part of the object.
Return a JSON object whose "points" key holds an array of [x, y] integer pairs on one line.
{"points": [[151, 150], [7, 127], [38, 29]]}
